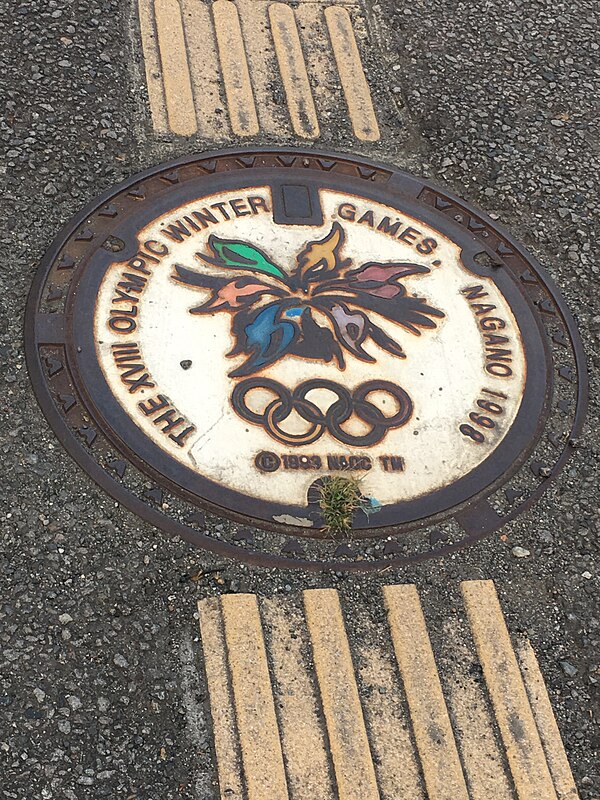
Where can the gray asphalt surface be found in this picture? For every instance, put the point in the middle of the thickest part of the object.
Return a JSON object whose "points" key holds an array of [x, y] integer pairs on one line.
{"points": [[100, 694]]}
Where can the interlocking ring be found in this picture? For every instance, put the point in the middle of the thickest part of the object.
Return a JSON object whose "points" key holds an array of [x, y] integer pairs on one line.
{"points": [[370, 413], [276, 411], [332, 419]]}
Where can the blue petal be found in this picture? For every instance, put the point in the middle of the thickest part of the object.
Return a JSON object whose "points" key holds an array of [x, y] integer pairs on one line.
{"points": [[268, 336]]}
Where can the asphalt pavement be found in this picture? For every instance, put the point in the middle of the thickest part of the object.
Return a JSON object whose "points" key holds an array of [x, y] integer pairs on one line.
{"points": [[101, 690]]}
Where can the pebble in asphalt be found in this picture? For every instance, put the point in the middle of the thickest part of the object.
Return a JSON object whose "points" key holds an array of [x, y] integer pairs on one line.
{"points": [[100, 694]]}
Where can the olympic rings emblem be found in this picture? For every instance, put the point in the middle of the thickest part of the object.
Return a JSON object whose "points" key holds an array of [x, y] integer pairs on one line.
{"points": [[331, 420]]}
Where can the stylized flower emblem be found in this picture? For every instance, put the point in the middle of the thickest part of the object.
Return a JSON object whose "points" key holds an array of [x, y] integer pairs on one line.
{"points": [[317, 312]]}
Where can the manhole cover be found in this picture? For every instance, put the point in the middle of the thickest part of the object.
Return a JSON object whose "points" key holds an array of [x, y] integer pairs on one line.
{"points": [[219, 335]]}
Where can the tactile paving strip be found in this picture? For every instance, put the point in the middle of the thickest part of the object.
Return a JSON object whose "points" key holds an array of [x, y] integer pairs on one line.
{"points": [[223, 68], [308, 704]]}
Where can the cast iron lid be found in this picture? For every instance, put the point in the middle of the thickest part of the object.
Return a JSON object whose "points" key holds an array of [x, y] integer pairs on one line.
{"points": [[218, 335]]}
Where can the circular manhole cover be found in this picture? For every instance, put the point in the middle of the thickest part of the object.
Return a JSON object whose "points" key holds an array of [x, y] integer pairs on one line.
{"points": [[221, 335]]}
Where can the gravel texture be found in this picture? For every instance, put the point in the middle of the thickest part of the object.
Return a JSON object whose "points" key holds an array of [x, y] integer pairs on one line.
{"points": [[101, 692]]}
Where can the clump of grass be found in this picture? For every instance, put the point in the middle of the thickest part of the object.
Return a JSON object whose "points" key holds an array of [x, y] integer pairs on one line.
{"points": [[340, 497]]}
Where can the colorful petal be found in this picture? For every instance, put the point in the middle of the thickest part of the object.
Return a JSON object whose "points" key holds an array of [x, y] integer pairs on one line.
{"points": [[322, 258], [410, 312], [351, 328], [234, 254], [380, 280], [235, 294], [264, 336], [385, 273]]}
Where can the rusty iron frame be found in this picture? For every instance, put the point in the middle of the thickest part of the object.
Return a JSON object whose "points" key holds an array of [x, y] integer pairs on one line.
{"points": [[438, 208]]}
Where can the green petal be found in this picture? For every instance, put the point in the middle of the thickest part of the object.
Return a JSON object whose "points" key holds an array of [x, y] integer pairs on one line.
{"points": [[243, 256]]}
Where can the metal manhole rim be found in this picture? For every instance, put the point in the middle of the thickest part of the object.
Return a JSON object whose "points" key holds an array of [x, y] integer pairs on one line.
{"points": [[125, 497]]}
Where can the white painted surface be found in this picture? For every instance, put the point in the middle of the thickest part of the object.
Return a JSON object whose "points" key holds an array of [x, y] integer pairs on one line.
{"points": [[443, 372]]}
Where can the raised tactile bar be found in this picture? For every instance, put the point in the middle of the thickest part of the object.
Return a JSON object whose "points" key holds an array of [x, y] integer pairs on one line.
{"points": [[348, 740], [216, 669], [307, 706], [443, 773], [255, 711], [513, 713], [293, 71], [234, 66], [175, 69], [354, 82]]}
